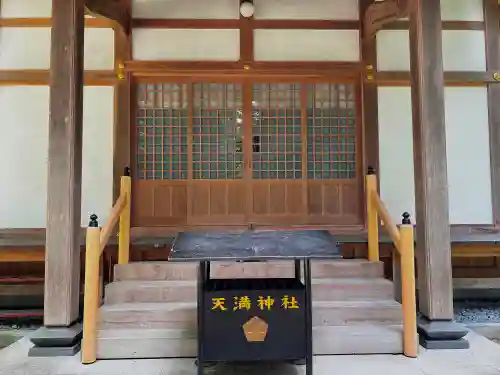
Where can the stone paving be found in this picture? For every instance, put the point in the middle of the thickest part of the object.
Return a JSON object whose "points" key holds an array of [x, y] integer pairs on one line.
{"points": [[483, 358]]}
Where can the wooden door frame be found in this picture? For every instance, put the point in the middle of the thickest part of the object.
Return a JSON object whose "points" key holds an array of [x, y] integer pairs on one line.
{"points": [[340, 74]]}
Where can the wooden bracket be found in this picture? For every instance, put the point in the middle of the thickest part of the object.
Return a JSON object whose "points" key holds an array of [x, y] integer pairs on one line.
{"points": [[381, 13], [116, 10]]}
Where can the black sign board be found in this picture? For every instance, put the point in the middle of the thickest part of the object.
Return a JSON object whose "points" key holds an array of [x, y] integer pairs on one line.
{"points": [[254, 320]]}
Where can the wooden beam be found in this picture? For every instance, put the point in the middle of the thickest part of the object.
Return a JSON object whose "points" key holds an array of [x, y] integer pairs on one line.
{"points": [[116, 10], [459, 78], [41, 77], [16, 254], [343, 71], [381, 13], [62, 260], [162, 23], [491, 19], [47, 22], [446, 25], [246, 27], [429, 150]]}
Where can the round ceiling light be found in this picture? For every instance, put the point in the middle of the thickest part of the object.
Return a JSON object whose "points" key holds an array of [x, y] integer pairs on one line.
{"points": [[247, 9]]}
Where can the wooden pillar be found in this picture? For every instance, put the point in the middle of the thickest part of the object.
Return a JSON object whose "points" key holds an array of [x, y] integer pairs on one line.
{"points": [[431, 186], [60, 336], [122, 103], [370, 94], [491, 20], [62, 260]]}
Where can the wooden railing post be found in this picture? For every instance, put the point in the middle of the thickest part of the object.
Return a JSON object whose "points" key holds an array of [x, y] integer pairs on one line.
{"points": [[407, 249], [124, 226], [91, 297], [372, 216]]}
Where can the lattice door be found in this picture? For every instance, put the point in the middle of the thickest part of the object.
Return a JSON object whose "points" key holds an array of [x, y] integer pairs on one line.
{"points": [[280, 154]]}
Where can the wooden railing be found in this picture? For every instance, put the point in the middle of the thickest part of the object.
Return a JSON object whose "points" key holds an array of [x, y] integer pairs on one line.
{"points": [[97, 239], [402, 237]]}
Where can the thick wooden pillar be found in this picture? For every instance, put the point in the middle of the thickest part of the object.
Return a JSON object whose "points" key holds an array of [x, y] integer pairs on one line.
{"points": [[62, 261], [431, 190], [370, 92], [60, 336]]}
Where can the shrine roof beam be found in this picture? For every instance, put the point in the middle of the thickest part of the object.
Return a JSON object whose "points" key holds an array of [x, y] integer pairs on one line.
{"points": [[381, 13], [116, 10]]}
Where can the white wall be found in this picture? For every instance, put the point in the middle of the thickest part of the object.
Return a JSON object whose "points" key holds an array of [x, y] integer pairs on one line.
{"points": [[23, 159], [393, 46], [307, 10], [468, 158], [186, 44], [24, 148], [175, 9], [29, 48], [315, 45], [393, 50], [25, 8], [468, 155], [25, 117], [467, 133], [396, 150], [269, 44]]}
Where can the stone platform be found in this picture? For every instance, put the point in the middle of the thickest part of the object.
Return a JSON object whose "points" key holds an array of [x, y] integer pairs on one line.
{"points": [[483, 358]]}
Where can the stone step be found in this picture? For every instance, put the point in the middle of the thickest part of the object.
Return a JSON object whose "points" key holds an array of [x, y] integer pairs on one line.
{"points": [[344, 268], [344, 289], [340, 313], [182, 315], [174, 343], [185, 291], [150, 291]]}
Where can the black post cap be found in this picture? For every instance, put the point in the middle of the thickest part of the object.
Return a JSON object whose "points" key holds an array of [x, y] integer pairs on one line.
{"points": [[93, 221], [371, 170], [406, 219], [126, 171]]}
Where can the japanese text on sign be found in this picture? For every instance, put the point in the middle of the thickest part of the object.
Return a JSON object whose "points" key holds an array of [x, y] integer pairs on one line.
{"points": [[263, 303]]}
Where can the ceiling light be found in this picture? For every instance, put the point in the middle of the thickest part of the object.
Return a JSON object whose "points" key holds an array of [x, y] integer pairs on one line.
{"points": [[247, 9]]}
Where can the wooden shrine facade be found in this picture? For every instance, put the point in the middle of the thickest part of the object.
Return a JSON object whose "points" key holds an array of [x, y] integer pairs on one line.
{"points": [[249, 143]]}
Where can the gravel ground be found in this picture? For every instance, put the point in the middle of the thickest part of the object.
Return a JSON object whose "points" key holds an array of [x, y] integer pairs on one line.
{"points": [[11, 333], [477, 311]]}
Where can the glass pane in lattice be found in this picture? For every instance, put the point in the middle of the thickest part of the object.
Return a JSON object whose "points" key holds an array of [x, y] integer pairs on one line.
{"points": [[161, 129], [276, 131], [217, 131], [331, 131]]}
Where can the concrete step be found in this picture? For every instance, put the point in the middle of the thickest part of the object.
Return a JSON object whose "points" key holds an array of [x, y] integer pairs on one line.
{"points": [[172, 343], [150, 291], [344, 268], [185, 290], [351, 313], [171, 315], [182, 315], [344, 289]]}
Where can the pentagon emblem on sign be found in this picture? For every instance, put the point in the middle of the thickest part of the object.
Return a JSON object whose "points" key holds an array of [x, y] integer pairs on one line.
{"points": [[255, 329]]}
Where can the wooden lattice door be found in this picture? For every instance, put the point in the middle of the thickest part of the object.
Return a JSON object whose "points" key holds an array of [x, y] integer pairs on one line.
{"points": [[235, 154]]}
